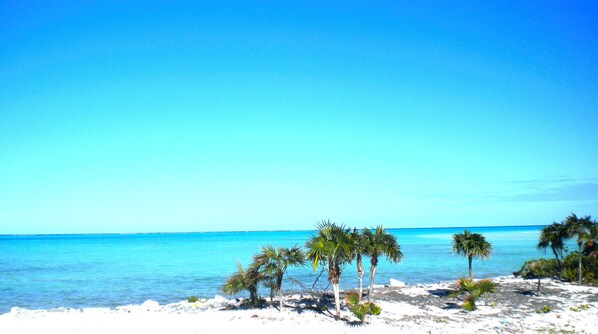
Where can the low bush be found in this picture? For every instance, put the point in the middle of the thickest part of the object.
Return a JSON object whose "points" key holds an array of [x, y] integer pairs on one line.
{"points": [[361, 310], [569, 271], [544, 309], [589, 266]]}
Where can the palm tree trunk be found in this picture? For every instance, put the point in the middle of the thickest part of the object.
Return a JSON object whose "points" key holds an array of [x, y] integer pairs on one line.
{"points": [[279, 287], [372, 274], [579, 264], [253, 299], [556, 255], [558, 262], [337, 300], [469, 258], [360, 288], [538, 289], [360, 276]]}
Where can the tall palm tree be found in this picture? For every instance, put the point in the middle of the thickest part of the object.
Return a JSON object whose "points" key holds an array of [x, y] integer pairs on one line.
{"points": [[554, 236], [379, 243], [582, 228], [244, 279], [357, 241], [471, 245], [274, 262], [331, 246]]}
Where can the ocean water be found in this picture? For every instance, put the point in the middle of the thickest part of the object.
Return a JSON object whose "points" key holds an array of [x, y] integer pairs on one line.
{"points": [[50, 271]]}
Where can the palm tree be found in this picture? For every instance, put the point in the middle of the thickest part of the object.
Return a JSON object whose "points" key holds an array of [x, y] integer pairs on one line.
{"points": [[273, 262], [471, 245], [244, 280], [357, 241], [379, 243], [331, 246], [474, 291], [585, 231], [554, 236]]}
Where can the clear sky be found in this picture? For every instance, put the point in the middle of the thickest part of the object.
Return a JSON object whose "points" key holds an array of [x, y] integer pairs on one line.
{"points": [[266, 115]]}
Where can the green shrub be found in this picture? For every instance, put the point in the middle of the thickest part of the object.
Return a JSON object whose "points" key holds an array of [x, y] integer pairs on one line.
{"points": [[192, 299], [589, 269], [579, 308], [361, 310], [538, 268], [544, 309]]}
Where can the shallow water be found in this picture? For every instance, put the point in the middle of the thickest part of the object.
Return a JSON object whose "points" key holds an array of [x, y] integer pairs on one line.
{"points": [[117, 269]]}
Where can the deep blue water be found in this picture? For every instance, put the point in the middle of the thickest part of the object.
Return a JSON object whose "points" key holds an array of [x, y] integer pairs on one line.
{"points": [[48, 271]]}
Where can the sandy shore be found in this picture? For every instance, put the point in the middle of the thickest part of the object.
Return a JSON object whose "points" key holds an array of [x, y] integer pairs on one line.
{"points": [[409, 309]]}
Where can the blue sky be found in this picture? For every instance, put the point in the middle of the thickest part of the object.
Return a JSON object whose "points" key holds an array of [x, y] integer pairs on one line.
{"points": [[174, 116]]}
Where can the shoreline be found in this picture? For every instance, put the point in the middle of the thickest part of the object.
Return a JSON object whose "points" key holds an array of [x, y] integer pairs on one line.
{"points": [[426, 308]]}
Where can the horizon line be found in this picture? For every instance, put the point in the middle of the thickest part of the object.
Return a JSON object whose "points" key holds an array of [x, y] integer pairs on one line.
{"points": [[245, 231]]}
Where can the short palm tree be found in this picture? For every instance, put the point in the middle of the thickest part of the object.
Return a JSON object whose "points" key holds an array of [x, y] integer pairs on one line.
{"points": [[585, 231], [273, 262], [331, 246], [378, 243], [357, 241], [554, 236], [471, 245], [244, 279], [474, 291]]}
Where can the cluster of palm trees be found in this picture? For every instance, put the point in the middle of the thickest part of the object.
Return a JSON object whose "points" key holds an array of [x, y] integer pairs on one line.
{"points": [[332, 247], [583, 229]]}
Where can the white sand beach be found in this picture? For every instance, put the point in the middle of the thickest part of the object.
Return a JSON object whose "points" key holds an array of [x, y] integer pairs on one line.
{"points": [[410, 309]]}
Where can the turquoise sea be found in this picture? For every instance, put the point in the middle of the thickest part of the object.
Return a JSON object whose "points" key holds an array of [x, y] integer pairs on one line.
{"points": [[108, 270]]}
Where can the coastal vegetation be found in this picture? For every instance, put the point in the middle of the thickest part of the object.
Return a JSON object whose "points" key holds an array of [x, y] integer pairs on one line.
{"points": [[332, 247], [579, 266], [567, 270], [471, 245], [335, 246]]}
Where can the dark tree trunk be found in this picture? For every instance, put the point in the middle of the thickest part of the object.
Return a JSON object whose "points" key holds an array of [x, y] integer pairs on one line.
{"points": [[579, 263], [469, 258]]}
